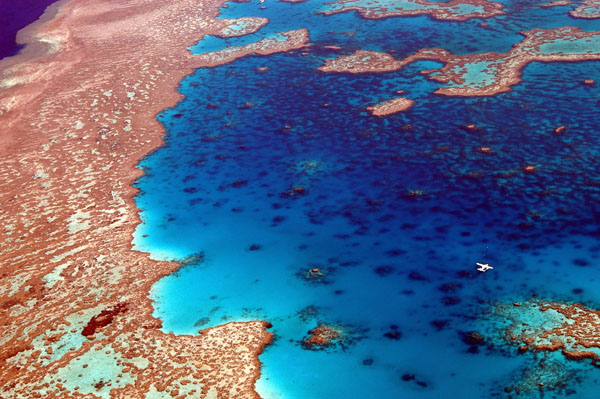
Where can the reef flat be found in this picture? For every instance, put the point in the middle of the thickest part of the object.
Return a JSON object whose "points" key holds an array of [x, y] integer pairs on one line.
{"points": [[286, 41], [537, 325], [77, 112], [455, 10], [241, 26], [392, 106], [556, 3], [481, 74], [589, 9], [347, 209]]}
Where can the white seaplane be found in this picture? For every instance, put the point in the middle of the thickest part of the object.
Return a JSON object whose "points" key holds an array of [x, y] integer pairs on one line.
{"points": [[483, 267]]}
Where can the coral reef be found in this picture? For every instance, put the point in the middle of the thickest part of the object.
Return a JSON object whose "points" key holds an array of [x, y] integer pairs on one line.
{"points": [[556, 3], [241, 26], [454, 10], [481, 74], [548, 326], [77, 113], [283, 42], [316, 274], [588, 9], [392, 106], [327, 336]]}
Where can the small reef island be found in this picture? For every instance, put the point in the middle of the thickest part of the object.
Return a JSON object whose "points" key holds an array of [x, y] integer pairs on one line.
{"points": [[288, 198]]}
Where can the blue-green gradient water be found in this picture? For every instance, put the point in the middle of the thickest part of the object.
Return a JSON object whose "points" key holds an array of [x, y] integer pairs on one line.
{"points": [[399, 268]]}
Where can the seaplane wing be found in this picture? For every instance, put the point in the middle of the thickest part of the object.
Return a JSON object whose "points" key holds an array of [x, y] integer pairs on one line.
{"points": [[483, 267]]}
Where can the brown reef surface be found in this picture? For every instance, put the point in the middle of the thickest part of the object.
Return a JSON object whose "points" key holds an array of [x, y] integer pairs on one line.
{"points": [[77, 112], [293, 40], [556, 3], [245, 25], [538, 325], [392, 106], [325, 336], [588, 9], [446, 11], [502, 70]]}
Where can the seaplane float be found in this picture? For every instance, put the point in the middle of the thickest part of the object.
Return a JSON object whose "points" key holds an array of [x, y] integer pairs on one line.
{"points": [[483, 267]]}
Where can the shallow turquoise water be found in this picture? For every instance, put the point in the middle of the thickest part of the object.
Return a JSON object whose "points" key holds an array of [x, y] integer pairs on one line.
{"points": [[399, 269], [391, 6], [577, 46]]}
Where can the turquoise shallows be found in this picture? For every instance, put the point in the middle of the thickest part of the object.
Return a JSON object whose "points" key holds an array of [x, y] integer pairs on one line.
{"points": [[272, 172]]}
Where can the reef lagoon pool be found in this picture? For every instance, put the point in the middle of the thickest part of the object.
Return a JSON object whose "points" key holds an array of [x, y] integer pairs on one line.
{"points": [[357, 236]]}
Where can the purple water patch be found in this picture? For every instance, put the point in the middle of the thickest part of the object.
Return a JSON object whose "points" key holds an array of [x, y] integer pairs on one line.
{"points": [[14, 16]]}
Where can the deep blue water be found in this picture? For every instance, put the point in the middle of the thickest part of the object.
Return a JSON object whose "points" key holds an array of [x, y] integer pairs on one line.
{"points": [[399, 269], [14, 15]]}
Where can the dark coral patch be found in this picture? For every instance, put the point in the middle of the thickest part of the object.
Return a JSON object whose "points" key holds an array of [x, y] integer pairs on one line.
{"points": [[396, 252], [193, 259], [468, 274], [103, 319], [239, 183], [294, 192], [581, 262], [450, 287], [308, 313], [472, 338], [201, 322], [10, 303], [316, 274], [384, 271], [394, 333], [278, 219], [408, 377], [324, 336], [416, 276], [439, 324], [450, 300]]}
